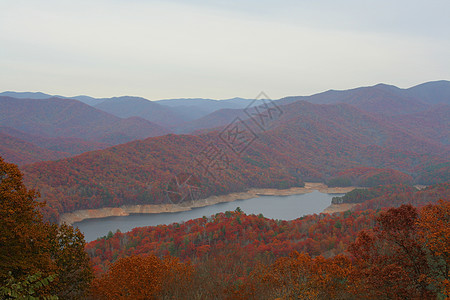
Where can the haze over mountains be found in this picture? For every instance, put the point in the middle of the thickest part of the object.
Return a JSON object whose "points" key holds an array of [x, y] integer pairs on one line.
{"points": [[167, 112], [57, 127], [375, 134], [72, 126]]}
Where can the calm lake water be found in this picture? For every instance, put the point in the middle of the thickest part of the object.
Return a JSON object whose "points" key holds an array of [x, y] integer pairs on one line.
{"points": [[274, 207]]}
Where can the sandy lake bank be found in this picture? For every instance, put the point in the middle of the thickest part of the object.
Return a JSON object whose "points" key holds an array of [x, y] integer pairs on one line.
{"points": [[125, 210]]}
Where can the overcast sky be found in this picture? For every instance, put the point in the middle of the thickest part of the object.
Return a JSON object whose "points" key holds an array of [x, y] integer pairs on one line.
{"points": [[220, 49]]}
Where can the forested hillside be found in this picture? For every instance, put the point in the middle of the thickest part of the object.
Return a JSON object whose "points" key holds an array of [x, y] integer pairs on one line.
{"points": [[249, 256], [21, 152], [64, 144], [352, 140], [433, 124], [55, 117], [306, 142], [231, 255], [224, 150], [349, 255]]}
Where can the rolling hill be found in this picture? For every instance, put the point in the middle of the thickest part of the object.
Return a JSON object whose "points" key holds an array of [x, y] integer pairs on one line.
{"points": [[71, 146], [68, 118], [433, 123], [381, 99], [218, 118], [384, 99], [190, 114], [380, 132], [21, 152], [173, 113], [433, 92], [167, 113], [39, 95], [125, 107], [308, 142]]}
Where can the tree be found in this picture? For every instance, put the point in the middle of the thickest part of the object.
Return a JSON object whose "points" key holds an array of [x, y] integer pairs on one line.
{"points": [[143, 277], [66, 246], [390, 260], [300, 277], [30, 246], [434, 226], [26, 289], [23, 243]]}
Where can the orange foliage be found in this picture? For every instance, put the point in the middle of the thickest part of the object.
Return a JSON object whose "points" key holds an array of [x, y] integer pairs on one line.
{"points": [[308, 143], [434, 224], [299, 277], [28, 245], [23, 243], [247, 257], [406, 255], [143, 277]]}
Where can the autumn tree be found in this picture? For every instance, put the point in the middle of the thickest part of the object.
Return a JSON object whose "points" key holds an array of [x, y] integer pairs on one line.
{"points": [[66, 247], [143, 277], [23, 243], [434, 227], [391, 262], [30, 246], [299, 277]]}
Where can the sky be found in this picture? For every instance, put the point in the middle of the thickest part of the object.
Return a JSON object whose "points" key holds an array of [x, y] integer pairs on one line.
{"points": [[220, 49]]}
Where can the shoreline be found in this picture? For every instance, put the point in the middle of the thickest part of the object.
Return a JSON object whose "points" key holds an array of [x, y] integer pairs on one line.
{"points": [[334, 208], [125, 210]]}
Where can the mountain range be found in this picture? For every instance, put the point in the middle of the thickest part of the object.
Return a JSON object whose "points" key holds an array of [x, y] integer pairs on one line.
{"points": [[72, 126], [380, 133]]}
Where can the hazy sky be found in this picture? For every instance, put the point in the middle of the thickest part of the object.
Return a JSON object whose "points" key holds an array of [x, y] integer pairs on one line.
{"points": [[220, 49]]}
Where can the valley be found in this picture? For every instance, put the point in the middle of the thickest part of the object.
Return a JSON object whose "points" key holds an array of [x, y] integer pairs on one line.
{"points": [[227, 187], [238, 150]]}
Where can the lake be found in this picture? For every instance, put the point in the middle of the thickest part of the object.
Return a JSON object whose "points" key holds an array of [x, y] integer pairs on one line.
{"points": [[274, 207]]}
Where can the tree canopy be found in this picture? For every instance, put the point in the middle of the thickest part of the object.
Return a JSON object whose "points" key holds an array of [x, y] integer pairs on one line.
{"points": [[30, 246]]}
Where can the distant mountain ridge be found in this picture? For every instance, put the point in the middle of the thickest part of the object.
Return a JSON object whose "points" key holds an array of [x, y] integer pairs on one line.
{"points": [[433, 92], [126, 107], [39, 95], [67, 125], [57, 117], [176, 113], [166, 113], [383, 98]]}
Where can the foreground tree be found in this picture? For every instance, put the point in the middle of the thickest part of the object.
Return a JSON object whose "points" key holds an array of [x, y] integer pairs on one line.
{"points": [[66, 246], [406, 255], [29, 246], [26, 289], [23, 242], [144, 277], [434, 227]]}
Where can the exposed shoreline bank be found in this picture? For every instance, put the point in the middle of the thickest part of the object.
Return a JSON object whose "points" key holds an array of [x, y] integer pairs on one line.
{"points": [[125, 210]]}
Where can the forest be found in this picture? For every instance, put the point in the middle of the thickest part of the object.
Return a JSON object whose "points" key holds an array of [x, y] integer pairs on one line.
{"points": [[356, 254], [319, 143], [393, 245], [279, 150]]}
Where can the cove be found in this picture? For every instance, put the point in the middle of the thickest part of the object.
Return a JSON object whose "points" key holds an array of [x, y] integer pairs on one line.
{"points": [[273, 207]]}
